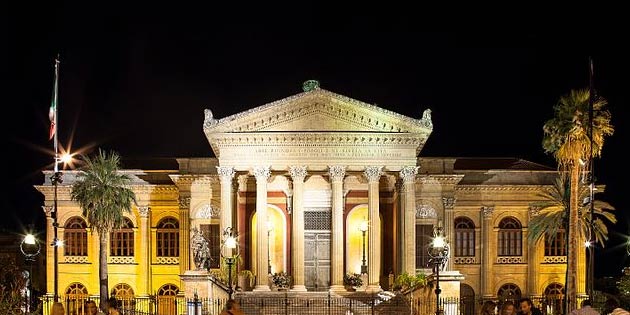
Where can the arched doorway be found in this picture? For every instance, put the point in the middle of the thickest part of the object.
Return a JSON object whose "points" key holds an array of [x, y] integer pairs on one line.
{"points": [[554, 294], [467, 295], [509, 292], [356, 218], [276, 227], [166, 299]]}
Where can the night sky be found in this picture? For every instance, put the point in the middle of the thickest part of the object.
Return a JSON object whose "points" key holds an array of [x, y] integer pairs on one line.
{"points": [[137, 82]]}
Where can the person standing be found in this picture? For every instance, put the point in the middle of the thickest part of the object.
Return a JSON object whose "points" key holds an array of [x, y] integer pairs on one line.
{"points": [[508, 308], [527, 307], [488, 308]]}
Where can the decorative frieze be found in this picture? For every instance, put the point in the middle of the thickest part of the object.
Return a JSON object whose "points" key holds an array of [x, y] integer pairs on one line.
{"points": [[184, 202], [510, 260], [555, 260], [408, 173], [373, 173], [298, 173], [261, 173], [168, 260], [465, 260], [449, 202], [487, 212], [144, 211], [75, 259], [337, 172], [122, 260], [425, 212]]}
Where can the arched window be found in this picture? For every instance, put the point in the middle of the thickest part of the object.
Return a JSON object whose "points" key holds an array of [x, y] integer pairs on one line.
{"points": [[166, 299], [553, 297], [467, 295], [75, 237], [121, 242], [510, 237], [556, 245], [125, 296], [464, 237], [168, 237], [509, 292], [76, 295]]}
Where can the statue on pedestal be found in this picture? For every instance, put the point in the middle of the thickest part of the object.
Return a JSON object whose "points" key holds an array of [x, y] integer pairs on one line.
{"points": [[201, 250]]}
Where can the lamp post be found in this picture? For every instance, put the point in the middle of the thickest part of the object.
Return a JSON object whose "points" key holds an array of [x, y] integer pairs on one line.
{"points": [[30, 248], [363, 227], [56, 179], [438, 251], [229, 246], [269, 229]]}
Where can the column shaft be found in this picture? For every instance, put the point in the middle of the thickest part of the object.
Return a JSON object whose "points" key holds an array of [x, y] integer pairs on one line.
{"points": [[487, 263], [373, 174], [408, 174], [184, 232], [145, 251], [298, 174], [449, 225], [227, 206], [262, 278], [337, 174]]}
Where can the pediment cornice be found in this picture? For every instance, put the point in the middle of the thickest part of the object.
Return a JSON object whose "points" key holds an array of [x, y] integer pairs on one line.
{"points": [[349, 114]]}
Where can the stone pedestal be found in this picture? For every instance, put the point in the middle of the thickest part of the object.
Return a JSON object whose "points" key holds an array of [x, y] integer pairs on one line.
{"points": [[449, 284], [200, 282]]}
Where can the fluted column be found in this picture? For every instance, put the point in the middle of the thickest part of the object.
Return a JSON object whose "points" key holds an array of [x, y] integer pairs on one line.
{"points": [[337, 174], [184, 232], [262, 174], [487, 263], [373, 174], [449, 225], [227, 206], [533, 262], [408, 228], [145, 251], [298, 174]]}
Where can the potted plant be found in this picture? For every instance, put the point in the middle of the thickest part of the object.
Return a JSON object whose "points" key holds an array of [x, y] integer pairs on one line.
{"points": [[407, 282], [352, 280], [281, 280], [245, 280]]}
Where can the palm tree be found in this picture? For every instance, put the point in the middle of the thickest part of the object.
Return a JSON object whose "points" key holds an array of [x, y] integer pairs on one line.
{"points": [[566, 136], [553, 214], [103, 195]]}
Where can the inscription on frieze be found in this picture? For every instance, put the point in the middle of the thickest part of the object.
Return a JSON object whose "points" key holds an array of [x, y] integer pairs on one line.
{"points": [[328, 152]]}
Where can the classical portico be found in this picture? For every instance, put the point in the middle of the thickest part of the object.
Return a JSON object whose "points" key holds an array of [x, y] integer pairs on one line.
{"points": [[317, 145]]}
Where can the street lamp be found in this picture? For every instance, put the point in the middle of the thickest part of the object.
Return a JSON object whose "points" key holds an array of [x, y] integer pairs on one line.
{"points": [[30, 248], [363, 227], [438, 251], [229, 246], [269, 229], [56, 179]]}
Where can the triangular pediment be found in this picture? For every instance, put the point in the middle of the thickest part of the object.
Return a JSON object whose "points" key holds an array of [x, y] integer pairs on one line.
{"points": [[318, 110]]}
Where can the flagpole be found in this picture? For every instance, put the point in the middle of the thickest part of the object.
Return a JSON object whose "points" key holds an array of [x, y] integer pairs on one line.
{"points": [[56, 180]]}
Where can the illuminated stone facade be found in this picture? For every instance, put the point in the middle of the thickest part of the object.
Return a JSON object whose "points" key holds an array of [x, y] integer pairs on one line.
{"points": [[314, 166]]}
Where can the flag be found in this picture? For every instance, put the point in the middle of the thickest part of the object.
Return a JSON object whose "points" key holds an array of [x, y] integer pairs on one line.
{"points": [[52, 112], [53, 123]]}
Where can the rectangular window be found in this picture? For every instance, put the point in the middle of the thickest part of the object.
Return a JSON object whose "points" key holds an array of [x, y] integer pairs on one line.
{"points": [[75, 243], [510, 242], [424, 236], [212, 233], [557, 246], [464, 243], [121, 243], [168, 243]]}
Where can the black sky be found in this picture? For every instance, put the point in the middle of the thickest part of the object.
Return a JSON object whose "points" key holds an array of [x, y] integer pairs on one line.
{"points": [[138, 82]]}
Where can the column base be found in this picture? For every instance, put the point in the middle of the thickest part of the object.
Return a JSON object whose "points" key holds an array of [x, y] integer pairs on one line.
{"points": [[337, 288], [298, 288], [373, 288], [262, 287]]}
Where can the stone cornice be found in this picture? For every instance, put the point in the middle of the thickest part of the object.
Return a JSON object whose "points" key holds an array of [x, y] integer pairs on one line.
{"points": [[314, 139], [338, 106], [187, 180], [451, 179]]}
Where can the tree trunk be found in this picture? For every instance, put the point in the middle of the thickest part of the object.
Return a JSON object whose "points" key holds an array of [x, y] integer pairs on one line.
{"points": [[572, 257], [102, 271]]}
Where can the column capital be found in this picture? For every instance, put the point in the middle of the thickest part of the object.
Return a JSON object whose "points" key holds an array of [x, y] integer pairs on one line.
{"points": [[184, 202], [261, 172], [534, 211], [449, 202], [226, 173], [487, 212], [48, 210], [336, 172], [144, 211], [298, 173], [373, 173], [408, 173]]}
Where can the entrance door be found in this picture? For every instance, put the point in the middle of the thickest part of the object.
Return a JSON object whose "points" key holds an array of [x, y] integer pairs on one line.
{"points": [[317, 236], [317, 261]]}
